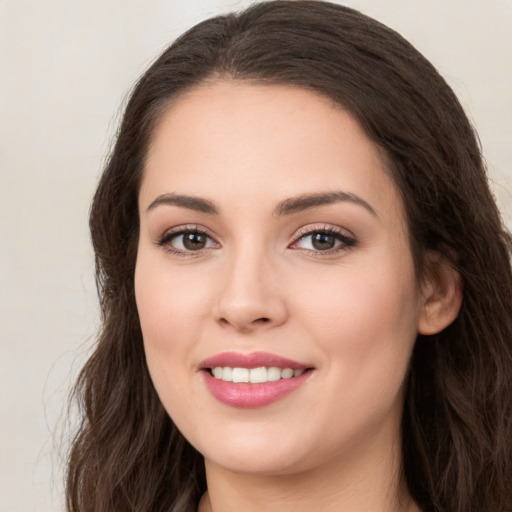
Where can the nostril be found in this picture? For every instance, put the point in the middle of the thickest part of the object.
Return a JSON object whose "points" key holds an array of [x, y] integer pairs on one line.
{"points": [[244, 323]]}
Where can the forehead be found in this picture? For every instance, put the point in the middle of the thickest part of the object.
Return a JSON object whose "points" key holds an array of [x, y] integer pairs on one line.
{"points": [[237, 140]]}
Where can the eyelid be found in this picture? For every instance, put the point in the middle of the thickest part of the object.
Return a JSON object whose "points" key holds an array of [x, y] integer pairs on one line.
{"points": [[165, 239], [347, 238]]}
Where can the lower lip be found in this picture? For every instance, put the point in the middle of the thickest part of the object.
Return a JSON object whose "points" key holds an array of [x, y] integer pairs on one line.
{"points": [[252, 395]]}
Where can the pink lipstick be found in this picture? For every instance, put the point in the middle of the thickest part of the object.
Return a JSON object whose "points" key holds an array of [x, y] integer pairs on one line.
{"points": [[252, 380]]}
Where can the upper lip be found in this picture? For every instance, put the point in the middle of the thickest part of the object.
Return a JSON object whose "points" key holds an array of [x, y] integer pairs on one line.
{"points": [[251, 360]]}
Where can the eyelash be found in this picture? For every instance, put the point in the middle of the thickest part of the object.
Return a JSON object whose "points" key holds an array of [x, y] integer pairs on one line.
{"points": [[166, 239], [346, 241]]}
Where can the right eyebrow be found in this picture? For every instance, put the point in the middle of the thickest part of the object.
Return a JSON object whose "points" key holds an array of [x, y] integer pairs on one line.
{"points": [[197, 204]]}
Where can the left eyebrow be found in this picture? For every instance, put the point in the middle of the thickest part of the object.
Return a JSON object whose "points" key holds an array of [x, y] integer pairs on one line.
{"points": [[306, 201]]}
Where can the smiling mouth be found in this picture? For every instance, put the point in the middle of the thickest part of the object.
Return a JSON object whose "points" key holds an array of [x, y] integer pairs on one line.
{"points": [[252, 380], [258, 375], [253, 387]]}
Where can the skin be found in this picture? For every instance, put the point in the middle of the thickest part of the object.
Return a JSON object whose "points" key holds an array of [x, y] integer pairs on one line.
{"points": [[259, 284]]}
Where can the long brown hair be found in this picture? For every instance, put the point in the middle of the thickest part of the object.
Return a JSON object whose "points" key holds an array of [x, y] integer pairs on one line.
{"points": [[457, 421]]}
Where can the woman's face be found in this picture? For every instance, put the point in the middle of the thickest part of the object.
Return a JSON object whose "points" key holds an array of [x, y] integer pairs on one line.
{"points": [[272, 241]]}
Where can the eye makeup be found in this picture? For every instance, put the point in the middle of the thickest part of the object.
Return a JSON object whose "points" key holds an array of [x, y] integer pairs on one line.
{"points": [[193, 240]]}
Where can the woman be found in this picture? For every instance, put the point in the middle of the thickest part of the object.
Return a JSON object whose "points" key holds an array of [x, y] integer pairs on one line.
{"points": [[304, 279]]}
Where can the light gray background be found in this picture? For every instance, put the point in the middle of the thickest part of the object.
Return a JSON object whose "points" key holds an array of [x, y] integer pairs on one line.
{"points": [[65, 66]]}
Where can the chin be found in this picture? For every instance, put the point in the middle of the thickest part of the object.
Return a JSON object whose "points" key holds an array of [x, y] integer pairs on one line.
{"points": [[258, 453], [265, 463]]}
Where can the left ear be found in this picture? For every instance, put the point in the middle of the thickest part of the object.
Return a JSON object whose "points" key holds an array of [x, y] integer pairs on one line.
{"points": [[441, 297]]}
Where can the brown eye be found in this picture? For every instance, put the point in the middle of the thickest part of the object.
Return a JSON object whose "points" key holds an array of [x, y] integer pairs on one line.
{"points": [[194, 241], [187, 241], [323, 241]]}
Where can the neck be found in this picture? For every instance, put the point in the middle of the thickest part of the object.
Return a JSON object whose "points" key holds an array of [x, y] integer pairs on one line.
{"points": [[368, 482]]}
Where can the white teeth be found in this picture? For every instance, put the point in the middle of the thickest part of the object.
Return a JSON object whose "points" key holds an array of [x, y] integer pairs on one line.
{"points": [[257, 375], [287, 373], [227, 374], [274, 374], [240, 375], [254, 375]]}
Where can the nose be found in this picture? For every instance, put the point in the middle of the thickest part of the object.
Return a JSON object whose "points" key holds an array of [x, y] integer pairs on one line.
{"points": [[250, 298]]}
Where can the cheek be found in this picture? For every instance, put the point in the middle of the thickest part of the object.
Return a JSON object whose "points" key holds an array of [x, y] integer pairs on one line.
{"points": [[171, 308], [170, 304], [364, 319]]}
